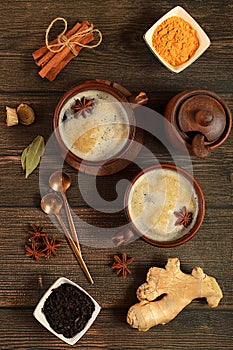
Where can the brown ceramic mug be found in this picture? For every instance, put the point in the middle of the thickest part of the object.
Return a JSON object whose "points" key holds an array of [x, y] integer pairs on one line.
{"points": [[128, 151], [187, 181]]}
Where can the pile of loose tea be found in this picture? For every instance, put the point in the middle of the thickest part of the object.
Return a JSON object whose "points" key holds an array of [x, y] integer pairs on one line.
{"points": [[68, 310]]}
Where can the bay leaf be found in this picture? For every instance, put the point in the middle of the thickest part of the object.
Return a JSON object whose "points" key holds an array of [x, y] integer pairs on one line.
{"points": [[31, 155], [23, 158]]}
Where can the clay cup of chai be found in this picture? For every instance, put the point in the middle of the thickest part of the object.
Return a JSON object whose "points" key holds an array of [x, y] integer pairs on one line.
{"points": [[95, 127], [165, 205]]}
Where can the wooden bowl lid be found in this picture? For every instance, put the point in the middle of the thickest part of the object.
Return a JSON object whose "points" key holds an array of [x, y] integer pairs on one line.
{"points": [[202, 114], [202, 119]]}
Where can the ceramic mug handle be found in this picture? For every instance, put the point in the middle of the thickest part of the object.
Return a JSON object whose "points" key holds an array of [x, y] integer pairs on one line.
{"points": [[140, 99], [124, 236]]}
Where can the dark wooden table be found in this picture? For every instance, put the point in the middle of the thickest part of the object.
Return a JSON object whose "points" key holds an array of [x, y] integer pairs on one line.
{"points": [[123, 57]]}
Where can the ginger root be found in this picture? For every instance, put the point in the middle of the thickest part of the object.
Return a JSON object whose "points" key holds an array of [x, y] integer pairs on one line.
{"points": [[11, 116], [175, 289]]}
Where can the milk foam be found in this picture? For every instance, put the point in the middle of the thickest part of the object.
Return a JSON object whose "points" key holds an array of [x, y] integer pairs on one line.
{"points": [[99, 136], [154, 198]]}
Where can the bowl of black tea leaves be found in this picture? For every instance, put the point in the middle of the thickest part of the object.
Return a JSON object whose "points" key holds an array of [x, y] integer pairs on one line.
{"points": [[67, 310]]}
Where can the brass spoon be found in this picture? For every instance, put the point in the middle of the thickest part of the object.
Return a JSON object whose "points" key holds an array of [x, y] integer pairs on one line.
{"points": [[51, 204], [60, 182]]}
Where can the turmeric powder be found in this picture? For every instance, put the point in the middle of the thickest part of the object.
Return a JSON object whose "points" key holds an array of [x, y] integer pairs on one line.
{"points": [[175, 40]]}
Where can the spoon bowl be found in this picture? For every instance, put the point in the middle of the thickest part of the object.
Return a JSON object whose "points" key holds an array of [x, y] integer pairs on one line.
{"points": [[51, 204], [60, 181]]}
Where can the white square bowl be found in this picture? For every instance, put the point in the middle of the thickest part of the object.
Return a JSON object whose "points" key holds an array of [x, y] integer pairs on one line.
{"points": [[204, 41], [40, 316]]}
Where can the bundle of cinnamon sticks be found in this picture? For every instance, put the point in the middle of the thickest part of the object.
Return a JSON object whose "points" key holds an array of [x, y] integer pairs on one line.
{"points": [[51, 62]]}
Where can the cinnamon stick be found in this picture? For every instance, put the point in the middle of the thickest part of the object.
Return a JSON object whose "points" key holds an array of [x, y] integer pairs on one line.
{"points": [[54, 71], [43, 55], [59, 56], [53, 62]]}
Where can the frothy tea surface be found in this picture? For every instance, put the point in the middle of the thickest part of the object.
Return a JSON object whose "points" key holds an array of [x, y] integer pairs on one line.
{"points": [[154, 198], [99, 136]]}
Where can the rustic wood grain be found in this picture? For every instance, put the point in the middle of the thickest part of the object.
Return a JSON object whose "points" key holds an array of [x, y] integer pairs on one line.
{"points": [[124, 58], [219, 165], [192, 329], [212, 256]]}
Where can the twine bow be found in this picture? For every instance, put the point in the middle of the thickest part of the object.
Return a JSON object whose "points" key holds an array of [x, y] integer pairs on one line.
{"points": [[63, 41]]}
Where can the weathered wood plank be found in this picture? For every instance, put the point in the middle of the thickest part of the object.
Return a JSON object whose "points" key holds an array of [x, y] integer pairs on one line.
{"points": [[14, 139], [217, 187], [210, 248], [123, 49], [86, 68], [199, 329]]}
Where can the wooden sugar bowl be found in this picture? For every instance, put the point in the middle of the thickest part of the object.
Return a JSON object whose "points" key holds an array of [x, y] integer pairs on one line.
{"points": [[202, 119]]}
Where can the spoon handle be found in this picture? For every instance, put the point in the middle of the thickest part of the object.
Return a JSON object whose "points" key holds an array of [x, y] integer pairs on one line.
{"points": [[70, 220], [75, 249]]}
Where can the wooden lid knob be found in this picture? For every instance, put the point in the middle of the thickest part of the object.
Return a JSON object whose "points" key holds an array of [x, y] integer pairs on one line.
{"points": [[203, 114], [204, 117]]}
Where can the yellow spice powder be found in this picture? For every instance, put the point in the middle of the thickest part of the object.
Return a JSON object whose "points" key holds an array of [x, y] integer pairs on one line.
{"points": [[175, 40]]}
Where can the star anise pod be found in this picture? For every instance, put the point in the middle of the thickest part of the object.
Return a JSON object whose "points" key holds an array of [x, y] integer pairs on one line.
{"points": [[51, 246], [34, 251], [121, 264], [83, 106], [36, 232], [184, 217]]}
